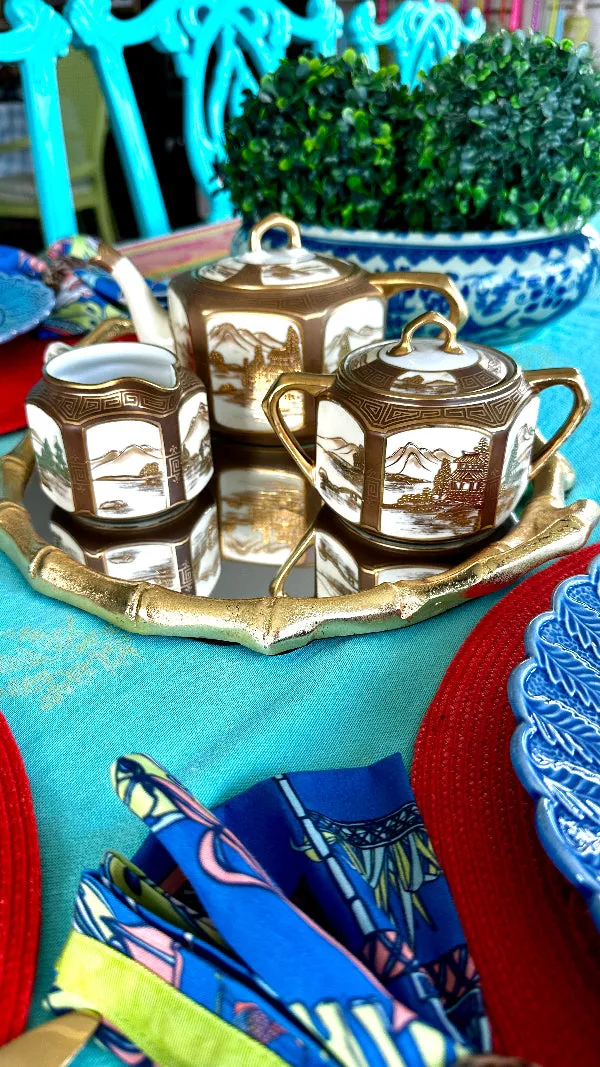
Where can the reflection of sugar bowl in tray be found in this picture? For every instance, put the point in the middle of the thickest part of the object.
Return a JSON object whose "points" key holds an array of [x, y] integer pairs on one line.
{"points": [[244, 320], [424, 440], [346, 563], [181, 553], [119, 432], [265, 505]]}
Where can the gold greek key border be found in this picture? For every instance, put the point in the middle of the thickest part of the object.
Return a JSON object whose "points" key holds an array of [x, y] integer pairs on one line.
{"points": [[548, 529]]}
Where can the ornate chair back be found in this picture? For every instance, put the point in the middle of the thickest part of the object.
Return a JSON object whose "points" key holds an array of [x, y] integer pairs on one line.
{"points": [[419, 34], [220, 48], [38, 35]]}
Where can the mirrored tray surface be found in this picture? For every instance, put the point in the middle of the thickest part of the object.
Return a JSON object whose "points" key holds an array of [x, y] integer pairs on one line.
{"points": [[259, 560]]}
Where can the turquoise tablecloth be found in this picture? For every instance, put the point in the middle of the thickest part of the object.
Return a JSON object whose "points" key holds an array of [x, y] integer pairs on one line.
{"points": [[78, 693]]}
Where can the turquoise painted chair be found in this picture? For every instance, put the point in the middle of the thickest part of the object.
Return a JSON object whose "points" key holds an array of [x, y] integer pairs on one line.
{"points": [[220, 48], [419, 34], [38, 35]]}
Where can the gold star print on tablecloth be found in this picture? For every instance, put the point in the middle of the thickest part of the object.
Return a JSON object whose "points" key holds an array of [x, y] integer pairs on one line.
{"points": [[54, 663]]}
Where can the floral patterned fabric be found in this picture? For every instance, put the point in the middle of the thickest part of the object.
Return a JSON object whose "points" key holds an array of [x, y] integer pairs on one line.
{"points": [[309, 912], [84, 298]]}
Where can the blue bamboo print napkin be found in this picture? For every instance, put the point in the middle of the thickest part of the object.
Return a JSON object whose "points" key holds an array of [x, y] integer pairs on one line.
{"points": [[309, 912]]}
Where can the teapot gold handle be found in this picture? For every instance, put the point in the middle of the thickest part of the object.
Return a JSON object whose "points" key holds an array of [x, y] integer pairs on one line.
{"points": [[276, 221], [398, 281], [314, 385], [571, 379]]}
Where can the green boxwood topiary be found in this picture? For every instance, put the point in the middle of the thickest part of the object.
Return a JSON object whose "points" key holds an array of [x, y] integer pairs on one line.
{"points": [[505, 134], [318, 142]]}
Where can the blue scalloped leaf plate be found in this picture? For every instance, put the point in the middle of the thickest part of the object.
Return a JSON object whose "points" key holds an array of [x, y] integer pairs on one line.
{"points": [[555, 750], [24, 303]]}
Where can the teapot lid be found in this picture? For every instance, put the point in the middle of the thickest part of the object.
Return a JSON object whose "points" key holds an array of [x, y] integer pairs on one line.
{"points": [[427, 367], [292, 267]]}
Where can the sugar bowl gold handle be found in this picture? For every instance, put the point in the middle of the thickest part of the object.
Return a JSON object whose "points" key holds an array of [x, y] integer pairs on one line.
{"points": [[275, 221], [570, 378], [314, 385]]}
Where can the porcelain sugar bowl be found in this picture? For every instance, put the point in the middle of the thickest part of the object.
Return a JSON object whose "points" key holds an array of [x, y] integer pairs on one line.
{"points": [[425, 440], [244, 320]]}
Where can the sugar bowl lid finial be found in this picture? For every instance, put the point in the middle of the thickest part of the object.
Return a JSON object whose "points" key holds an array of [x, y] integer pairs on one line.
{"points": [[428, 318]]}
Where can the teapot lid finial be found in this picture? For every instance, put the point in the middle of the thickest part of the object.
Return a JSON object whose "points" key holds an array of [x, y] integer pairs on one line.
{"points": [[287, 267], [275, 221]]}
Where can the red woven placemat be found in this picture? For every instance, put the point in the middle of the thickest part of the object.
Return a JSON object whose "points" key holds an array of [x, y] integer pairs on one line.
{"points": [[19, 889], [528, 929], [20, 368]]}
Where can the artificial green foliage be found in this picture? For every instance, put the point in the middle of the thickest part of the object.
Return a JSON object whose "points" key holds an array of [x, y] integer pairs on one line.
{"points": [[318, 142], [505, 134]]}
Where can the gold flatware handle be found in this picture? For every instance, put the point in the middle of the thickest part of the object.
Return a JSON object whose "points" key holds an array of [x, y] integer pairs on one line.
{"points": [[54, 1044]]}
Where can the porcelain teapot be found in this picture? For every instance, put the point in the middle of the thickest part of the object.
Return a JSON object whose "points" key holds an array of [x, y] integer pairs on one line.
{"points": [[244, 320], [422, 440]]}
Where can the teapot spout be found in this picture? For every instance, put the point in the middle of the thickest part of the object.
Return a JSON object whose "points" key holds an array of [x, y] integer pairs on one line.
{"points": [[150, 320]]}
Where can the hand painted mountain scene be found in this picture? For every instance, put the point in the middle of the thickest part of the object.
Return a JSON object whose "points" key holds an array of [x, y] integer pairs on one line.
{"points": [[127, 466], [434, 493], [301, 271], [351, 326], [155, 563], [431, 383], [340, 459], [247, 352], [338, 573], [47, 441], [196, 456], [517, 459], [221, 271]]}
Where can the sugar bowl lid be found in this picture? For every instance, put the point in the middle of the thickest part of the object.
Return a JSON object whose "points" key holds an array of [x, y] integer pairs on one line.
{"points": [[292, 267], [426, 368]]}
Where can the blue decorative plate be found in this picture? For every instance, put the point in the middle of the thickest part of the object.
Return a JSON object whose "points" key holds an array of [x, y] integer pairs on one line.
{"points": [[24, 303], [556, 748]]}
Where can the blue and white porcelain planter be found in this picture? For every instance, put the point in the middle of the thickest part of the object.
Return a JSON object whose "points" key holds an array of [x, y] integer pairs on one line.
{"points": [[514, 281]]}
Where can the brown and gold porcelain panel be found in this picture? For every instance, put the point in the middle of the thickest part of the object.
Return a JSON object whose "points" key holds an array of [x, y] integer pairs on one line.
{"points": [[265, 312], [265, 505], [120, 448], [241, 345]]}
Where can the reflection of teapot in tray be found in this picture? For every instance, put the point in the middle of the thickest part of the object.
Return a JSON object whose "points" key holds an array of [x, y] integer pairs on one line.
{"points": [[265, 505], [181, 554]]}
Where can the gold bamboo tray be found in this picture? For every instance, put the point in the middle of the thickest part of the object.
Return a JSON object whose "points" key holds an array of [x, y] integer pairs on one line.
{"points": [[548, 528]]}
